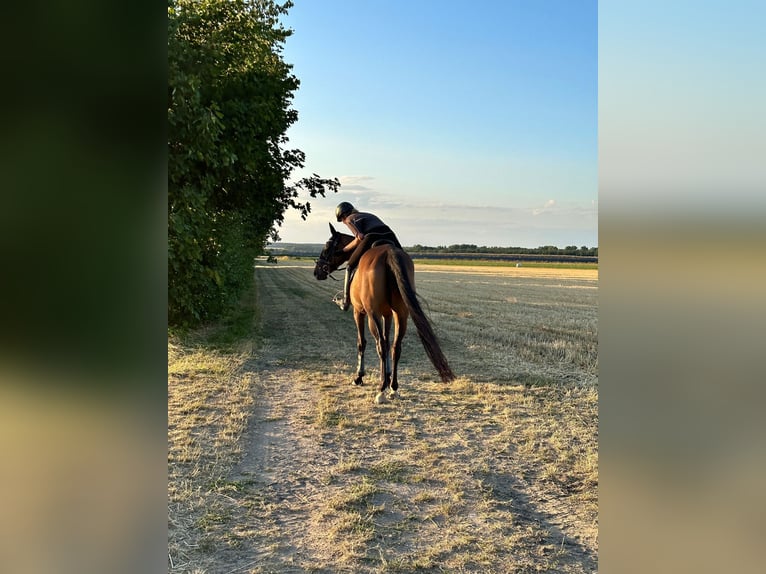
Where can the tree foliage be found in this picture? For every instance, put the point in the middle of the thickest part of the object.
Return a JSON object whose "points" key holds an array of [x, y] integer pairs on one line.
{"points": [[229, 108]]}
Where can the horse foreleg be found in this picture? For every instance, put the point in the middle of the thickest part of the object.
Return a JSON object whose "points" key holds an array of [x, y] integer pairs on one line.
{"points": [[361, 345]]}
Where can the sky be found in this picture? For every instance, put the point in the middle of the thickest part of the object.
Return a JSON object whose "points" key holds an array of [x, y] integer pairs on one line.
{"points": [[454, 122]]}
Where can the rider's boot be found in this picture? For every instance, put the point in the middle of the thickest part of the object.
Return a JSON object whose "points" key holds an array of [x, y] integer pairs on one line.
{"points": [[344, 302]]}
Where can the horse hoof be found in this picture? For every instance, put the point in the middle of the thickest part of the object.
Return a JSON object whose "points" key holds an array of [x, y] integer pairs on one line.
{"points": [[393, 395], [357, 382], [380, 398]]}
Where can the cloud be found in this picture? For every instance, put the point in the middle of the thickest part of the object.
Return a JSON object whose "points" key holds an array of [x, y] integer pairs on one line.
{"points": [[547, 207], [355, 182], [355, 178], [355, 188], [438, 221]]}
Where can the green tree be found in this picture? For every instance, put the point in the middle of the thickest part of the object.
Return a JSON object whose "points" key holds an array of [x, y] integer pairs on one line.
{"points": [[229, 108]]}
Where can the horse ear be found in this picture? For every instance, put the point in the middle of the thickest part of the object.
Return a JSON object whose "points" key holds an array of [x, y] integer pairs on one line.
{"points": [[332, 229]]}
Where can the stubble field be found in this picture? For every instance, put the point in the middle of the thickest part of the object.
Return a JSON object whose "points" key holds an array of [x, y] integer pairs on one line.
{"points": [[277, 464]]}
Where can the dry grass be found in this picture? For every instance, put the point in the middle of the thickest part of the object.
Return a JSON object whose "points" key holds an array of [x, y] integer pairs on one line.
{"points": [[496, 472], [209, 404]]}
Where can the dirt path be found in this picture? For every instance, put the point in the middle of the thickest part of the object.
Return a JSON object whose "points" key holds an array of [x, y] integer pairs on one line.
{"points": [[467, 477]]}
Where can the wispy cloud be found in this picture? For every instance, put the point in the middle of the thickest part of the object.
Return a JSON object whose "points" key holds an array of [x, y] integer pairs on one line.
{"points": [[550, 204], [433, 221], [355, 183]]}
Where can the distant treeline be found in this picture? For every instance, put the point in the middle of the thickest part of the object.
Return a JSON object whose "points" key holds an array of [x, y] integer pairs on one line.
{"points": [[543, 250], [463, 251], [517, 257]]}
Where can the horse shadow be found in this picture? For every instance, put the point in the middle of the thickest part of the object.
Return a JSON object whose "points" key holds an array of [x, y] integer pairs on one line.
{"points": [[508, 492]]}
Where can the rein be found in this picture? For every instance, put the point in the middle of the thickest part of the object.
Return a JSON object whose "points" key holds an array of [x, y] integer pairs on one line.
{"points": [[326, 265], [338, 269]]}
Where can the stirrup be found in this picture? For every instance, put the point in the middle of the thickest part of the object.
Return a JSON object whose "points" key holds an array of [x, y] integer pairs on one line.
{"points": [[338, 300]]}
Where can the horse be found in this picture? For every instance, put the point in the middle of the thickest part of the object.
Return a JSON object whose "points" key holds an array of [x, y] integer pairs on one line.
{"points": [[383, 291]]}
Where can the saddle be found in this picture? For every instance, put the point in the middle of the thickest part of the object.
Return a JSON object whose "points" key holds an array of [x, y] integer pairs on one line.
{"points": [[376, 243], [383, 241]]}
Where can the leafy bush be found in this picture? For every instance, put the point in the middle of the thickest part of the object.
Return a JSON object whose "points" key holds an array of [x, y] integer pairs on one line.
{"points": [[229, 107]]}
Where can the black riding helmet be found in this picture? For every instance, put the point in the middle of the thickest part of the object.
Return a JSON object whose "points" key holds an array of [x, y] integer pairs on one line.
{"points": [[343, 209]]}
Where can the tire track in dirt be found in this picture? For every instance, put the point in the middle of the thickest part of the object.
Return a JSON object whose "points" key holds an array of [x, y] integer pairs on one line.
{"points": [[435, 482], [279, 467]]}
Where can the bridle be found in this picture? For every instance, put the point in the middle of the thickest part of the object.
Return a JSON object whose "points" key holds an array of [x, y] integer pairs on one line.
{"points": [[323, 264]]}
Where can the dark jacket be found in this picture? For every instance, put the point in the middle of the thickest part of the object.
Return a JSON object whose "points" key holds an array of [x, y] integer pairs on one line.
{"points": [[368, 228], [361, 224]]}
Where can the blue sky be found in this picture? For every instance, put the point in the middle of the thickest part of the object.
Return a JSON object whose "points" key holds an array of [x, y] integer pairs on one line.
{"points": [[454, 122]]}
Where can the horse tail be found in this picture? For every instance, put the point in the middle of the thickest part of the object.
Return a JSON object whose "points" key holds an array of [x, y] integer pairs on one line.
{"points": [[397, 265]]}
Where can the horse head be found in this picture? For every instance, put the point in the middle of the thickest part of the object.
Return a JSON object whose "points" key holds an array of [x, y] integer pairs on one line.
{"points": [[332, 255]]}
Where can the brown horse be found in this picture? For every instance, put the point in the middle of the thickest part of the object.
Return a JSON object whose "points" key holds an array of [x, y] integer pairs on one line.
{"points": [[383, 290]]}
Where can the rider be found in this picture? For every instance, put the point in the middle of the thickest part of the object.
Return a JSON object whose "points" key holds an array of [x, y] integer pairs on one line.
{"points": [[367, 229]]}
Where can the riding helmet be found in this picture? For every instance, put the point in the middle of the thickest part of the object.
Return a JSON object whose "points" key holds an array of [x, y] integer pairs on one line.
{"points": [[343, 209]]}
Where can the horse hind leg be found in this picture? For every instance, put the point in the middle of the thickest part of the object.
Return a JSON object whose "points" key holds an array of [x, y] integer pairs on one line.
{"points": [[381, 344], [361, 345], [388, 353], [400, 328]]}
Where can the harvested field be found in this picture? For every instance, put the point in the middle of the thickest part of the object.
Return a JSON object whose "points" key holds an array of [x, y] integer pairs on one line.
{"points": [[278, 464]]}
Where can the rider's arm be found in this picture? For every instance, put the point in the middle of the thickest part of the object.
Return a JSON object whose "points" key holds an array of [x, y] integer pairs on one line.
{"points": [[358, 235], [351, 246]]}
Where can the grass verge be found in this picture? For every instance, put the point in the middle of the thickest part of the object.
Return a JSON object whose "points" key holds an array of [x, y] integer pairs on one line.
{"points": [[210, 400], [278, 464]]}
